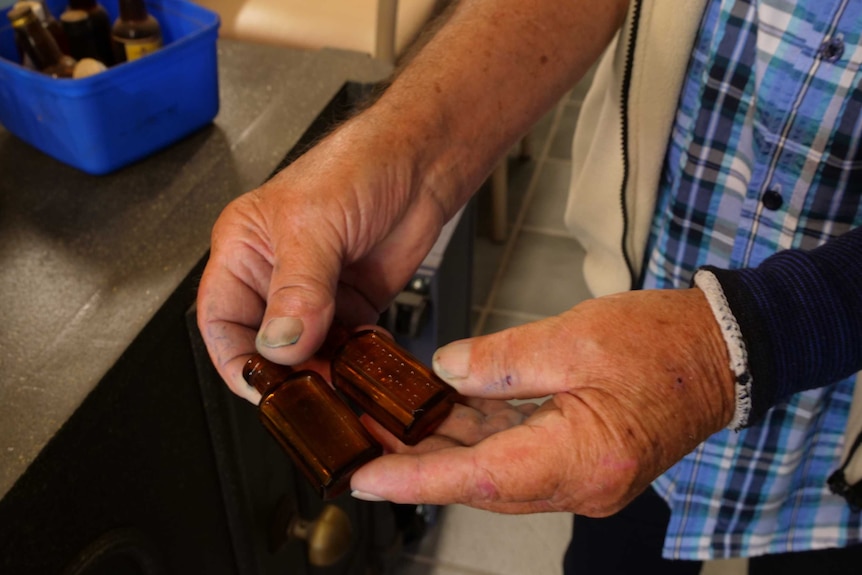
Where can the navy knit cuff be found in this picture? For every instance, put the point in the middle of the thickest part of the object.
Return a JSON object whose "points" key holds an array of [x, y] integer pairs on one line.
{"points": [[800, 316]]}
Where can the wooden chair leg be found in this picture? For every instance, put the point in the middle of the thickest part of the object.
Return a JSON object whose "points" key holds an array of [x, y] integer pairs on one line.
{"points": [[387, 21]]}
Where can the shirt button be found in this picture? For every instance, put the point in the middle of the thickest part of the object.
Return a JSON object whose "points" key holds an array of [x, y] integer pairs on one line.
{"points": [[831, 50], [772, 200]]}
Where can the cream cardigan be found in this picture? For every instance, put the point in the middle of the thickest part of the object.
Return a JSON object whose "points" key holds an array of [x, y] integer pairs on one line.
{"points": [[665, 33]]}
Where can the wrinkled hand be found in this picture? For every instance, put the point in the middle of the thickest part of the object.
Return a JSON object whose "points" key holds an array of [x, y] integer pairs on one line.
{"points": [[637, 381], [342, 229]]}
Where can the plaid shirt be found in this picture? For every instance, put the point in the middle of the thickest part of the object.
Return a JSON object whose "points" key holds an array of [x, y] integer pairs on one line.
{"points": [[763, 156]]}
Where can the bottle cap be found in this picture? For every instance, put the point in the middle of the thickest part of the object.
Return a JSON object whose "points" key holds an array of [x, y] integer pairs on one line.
{"points": [[38, 9], [74, 16], [20, 12], [88, 67]]}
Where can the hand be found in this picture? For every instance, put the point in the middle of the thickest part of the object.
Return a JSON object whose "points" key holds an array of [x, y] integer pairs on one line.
{"points": [[637, 381], [342, 229]]}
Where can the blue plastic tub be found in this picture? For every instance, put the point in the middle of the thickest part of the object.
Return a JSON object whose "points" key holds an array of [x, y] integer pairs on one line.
{"points": [[104, 122]]}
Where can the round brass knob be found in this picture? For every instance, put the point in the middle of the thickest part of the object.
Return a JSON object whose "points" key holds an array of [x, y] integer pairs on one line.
{"points": [[328, 537]]}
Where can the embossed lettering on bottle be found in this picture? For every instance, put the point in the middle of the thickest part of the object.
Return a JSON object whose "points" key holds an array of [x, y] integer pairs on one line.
{"points": [[391, 385]]}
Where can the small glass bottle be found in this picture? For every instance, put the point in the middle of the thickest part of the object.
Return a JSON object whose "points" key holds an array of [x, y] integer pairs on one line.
{"points": [[135, 32], [38, 44], [391, 385], [319, 431], [100, 28], [46, 17], [79, 31]]}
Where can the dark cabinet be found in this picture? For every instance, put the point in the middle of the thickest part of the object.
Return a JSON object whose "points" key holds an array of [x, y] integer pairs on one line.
{"points": [[162, 471]]}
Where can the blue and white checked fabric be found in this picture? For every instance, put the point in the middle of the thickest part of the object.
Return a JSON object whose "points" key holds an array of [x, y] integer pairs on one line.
{"points": [[764, 155]]}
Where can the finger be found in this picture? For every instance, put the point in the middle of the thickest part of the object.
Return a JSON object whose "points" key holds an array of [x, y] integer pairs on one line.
{"points": [[300, 303], [427, 445], [468, 426], [307, 287], [514, 470], [464, 426], [490, 406], [517, 363], [228, 312]]}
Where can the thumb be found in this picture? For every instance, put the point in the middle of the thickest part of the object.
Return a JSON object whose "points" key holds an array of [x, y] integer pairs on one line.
{"points": [[524, 362], [299, 309]]}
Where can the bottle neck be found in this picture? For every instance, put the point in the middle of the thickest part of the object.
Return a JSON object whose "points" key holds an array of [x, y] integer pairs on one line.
{"points": [[264, 375], [40, 45], [133, 10], [85, 5]]}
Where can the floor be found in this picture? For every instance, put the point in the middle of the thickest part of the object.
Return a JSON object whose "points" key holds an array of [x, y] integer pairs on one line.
{"points": [[511, 286]]}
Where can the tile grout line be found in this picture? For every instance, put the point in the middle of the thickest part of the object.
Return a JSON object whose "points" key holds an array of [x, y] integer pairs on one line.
{"points": [[518, 224]]}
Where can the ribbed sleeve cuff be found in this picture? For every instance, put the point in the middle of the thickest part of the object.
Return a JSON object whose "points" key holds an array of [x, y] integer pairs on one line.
{"points": [[738, 353], [799, 321]]}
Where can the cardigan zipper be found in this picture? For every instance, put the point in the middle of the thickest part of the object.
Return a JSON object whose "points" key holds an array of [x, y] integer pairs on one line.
{"points": [[626, 87]]}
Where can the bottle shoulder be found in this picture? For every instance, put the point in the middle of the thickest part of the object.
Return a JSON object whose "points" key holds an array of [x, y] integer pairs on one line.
{"points": [[136, 29]]}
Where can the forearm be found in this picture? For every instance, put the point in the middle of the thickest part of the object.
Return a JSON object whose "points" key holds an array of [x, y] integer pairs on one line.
{"points": [[800, 317], [483, 79]]}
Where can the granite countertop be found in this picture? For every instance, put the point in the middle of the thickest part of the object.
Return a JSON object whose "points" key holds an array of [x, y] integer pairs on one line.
{"points": [[88, 260]]}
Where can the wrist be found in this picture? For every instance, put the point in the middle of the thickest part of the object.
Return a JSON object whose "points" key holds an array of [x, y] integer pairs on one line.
{"points": [[712, 354], [438, 162]]}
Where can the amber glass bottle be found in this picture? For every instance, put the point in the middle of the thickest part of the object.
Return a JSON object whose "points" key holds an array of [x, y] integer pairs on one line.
{"points": [[46, 17], [320, 432], [38, 44], [99, 24], [391, 385], [79, 31], [135, 33]]}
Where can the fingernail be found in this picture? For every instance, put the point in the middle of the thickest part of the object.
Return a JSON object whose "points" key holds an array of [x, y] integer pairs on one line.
{"points": [[452, 362], [279, 332], [356, 494]]}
